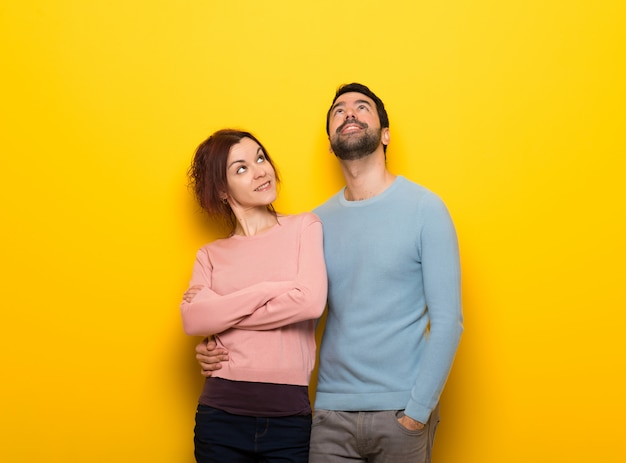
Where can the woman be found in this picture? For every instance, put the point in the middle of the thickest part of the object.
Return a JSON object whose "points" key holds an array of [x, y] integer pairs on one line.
{"points": [[258, 292]]}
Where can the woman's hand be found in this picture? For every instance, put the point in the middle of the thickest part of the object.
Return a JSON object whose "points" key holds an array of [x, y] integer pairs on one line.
{"points": [[191, 292]]}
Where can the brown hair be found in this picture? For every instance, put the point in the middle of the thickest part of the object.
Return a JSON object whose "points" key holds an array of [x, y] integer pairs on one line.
{"points": [[207, 173]]}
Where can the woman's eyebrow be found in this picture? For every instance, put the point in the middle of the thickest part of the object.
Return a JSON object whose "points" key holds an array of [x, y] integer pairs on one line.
{"points": [[235, 162], [258, 151]]}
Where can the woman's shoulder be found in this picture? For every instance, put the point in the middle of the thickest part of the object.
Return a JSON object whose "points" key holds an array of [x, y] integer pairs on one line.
{"points": [[303, 218], [205, 249]]}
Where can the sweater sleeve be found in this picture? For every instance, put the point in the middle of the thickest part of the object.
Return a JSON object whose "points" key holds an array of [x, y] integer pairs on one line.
{"points": [[306, 298], [442, 287], [211, 313]]}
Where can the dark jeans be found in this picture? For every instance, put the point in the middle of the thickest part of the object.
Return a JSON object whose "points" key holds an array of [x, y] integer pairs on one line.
{"points": [[221, 437]]}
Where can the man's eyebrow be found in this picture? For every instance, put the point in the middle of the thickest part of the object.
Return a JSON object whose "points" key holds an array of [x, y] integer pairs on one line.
{"points": [[336, 105], [343, 103]]}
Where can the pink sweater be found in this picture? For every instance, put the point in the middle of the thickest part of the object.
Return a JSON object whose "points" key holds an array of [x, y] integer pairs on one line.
{"points": [[261, 297]]}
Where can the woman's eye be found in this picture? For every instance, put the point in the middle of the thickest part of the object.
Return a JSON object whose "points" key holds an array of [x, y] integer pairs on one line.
{"points": [[260, 159], [241, 170]]}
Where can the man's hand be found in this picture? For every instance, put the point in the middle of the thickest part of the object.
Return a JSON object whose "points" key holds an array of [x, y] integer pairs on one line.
{"points": [[410, 423], [209, 356]]}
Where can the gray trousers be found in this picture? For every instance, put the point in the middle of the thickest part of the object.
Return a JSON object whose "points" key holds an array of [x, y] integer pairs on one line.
{"points": [[373, 437]]}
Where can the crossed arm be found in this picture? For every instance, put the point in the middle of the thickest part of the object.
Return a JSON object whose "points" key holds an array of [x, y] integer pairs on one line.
{"points": [[265, 305]]}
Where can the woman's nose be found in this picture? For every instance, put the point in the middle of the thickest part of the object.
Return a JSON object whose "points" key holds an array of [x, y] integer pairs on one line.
{"points": [[259, 171]]}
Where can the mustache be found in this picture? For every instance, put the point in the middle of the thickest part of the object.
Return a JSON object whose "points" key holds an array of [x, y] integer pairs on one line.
{"points": [[363, 125]]}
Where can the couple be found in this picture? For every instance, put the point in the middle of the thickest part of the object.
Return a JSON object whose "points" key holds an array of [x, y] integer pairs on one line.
{"points": [[389, 264]]}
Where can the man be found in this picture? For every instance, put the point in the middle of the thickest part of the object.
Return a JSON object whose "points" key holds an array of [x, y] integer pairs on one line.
{"points": [[394, 304]]}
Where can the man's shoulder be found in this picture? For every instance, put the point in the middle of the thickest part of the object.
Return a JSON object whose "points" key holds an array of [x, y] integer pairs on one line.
{"points": [[418, 191], [407, 184], [328, 205], [416, 200]]}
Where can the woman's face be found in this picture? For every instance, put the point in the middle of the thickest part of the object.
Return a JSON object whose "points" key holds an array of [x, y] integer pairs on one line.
{"points": [[251, 177]]}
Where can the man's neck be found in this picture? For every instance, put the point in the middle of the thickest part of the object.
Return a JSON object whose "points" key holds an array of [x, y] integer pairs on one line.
{"points": [[366, 177]]}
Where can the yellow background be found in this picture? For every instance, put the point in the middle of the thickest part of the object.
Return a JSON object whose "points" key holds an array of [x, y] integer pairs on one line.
{"points": [[513, 111]]}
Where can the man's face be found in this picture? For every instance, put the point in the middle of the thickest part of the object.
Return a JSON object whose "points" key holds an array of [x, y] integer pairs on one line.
{"points": [[354, 126]]}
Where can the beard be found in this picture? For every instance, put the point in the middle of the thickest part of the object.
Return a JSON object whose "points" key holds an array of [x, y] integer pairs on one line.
{"points": [[355, 146]]}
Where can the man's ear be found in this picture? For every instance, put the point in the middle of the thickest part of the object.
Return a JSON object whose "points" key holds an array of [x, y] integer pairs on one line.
{"points": [[384, 136]]}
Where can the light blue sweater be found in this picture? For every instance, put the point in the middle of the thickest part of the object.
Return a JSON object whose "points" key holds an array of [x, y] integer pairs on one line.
{"points": [[394, 319]]}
